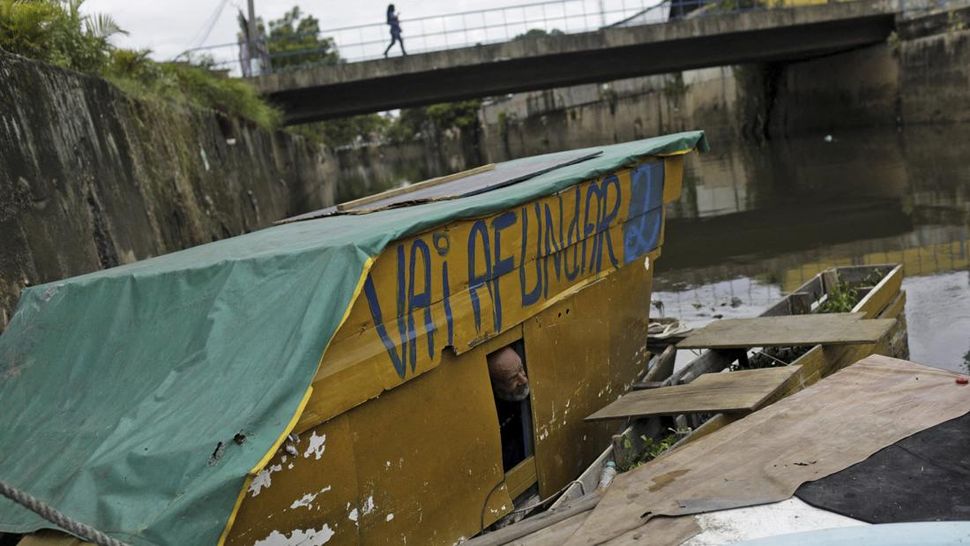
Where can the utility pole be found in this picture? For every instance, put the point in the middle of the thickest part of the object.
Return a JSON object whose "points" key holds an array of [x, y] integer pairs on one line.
{"points": [[251, 38]]}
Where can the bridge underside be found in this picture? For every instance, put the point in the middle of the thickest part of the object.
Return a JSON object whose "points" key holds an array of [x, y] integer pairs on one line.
{"points": [[312, 97]]}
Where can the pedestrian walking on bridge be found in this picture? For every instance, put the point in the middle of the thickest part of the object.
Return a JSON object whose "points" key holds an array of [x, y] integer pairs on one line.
{"points": [[395, 24]]}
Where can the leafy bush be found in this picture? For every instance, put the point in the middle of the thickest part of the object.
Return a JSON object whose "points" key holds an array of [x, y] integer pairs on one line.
{"points": [[294, 41], [57, 33]]}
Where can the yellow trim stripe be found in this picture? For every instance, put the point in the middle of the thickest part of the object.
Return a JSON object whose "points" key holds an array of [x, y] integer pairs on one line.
{"points": [[357, 290], [296, 415], [259, 466]]}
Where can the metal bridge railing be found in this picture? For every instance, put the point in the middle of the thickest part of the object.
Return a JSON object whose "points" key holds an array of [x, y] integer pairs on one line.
{"points": [[470, 28], [455, 30]]}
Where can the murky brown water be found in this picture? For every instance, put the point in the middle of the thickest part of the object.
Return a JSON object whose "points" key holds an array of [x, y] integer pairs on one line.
{"points": [[756, 222]]}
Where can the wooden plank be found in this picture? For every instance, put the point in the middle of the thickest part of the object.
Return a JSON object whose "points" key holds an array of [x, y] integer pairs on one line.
{"points": [[394, 192], [830, 280], [895, 308], [535, 523], [796, 303], [521, 477], [717, 422], [788, 331], [863, 274], [799, 304], [813, 287], [780, 308], [554, 535], [710, 362], [804, 378], [663, 367], [740, 391], [882, 294]]}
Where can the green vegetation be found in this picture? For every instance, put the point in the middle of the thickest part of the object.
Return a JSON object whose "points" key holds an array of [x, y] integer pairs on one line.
{"points": [[56, 32], [294, 40], [841, 299], [653, 449], [538, 33]]}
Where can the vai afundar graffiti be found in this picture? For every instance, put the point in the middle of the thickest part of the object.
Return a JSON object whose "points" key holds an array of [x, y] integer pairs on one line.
{"points": [[469, 281]]}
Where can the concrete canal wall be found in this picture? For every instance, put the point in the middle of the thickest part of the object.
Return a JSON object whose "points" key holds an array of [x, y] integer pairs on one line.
{"points": [[921, 75], [90, 178]]}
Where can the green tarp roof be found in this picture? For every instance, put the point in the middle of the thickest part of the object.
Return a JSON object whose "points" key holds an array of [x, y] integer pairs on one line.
{"points": [[122, 390]]}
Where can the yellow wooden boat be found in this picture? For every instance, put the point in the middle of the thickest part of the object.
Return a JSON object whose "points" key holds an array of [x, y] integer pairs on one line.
{"points": [[327, 381]]}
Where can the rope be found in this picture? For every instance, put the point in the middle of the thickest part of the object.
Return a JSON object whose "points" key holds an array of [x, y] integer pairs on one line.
{"points": [[52, 515]]}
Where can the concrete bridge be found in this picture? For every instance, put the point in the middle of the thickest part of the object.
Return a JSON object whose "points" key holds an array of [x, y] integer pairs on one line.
{"points": [[764, 35]]}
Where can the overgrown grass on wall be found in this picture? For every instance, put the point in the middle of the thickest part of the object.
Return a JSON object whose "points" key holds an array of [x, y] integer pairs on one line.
{"points": [[56, 32]]}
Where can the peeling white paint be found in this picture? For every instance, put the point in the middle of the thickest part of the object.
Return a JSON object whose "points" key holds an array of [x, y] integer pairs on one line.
{"points": [[387, 465], [389, 517], [306, 501], [369, 505], [299, 537], [264, 479], [317, 445], [353, 515]]}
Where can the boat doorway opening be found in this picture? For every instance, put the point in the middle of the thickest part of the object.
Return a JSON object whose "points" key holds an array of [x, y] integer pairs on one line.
{"points": [[509, 374]]}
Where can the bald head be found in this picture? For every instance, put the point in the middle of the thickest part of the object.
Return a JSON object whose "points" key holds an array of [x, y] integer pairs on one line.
{"points": [[507, 373]]}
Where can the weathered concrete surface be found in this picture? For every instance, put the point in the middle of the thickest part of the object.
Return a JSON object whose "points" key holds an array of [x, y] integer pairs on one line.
{"points": [[555, 61], [90, 178], [922, 76], [712, 99], [850, 90], [933, 91], [372, 168]]}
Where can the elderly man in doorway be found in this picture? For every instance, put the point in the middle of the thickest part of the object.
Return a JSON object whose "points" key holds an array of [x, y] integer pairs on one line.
{"points": [[511, 389], [507, 373]]}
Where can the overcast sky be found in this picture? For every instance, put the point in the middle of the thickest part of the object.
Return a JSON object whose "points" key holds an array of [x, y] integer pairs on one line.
{"points": [[171, 26]]}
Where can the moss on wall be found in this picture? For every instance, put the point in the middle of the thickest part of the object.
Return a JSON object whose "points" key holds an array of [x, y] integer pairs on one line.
{"points": [[91, 178]]}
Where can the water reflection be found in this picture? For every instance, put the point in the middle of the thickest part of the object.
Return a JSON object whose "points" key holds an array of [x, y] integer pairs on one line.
{"points": [[756, 222]]}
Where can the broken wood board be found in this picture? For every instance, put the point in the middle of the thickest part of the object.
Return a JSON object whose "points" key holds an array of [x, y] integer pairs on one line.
{"points": [[788, 331], [394, 192], [764, 457], [741, 391]]}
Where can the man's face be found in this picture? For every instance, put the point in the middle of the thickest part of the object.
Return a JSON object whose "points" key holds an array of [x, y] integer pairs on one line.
{"points": [[508, 375]]}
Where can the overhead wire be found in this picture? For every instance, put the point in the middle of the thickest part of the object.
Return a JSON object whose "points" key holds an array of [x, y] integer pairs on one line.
{"points": [[210, 23]]}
